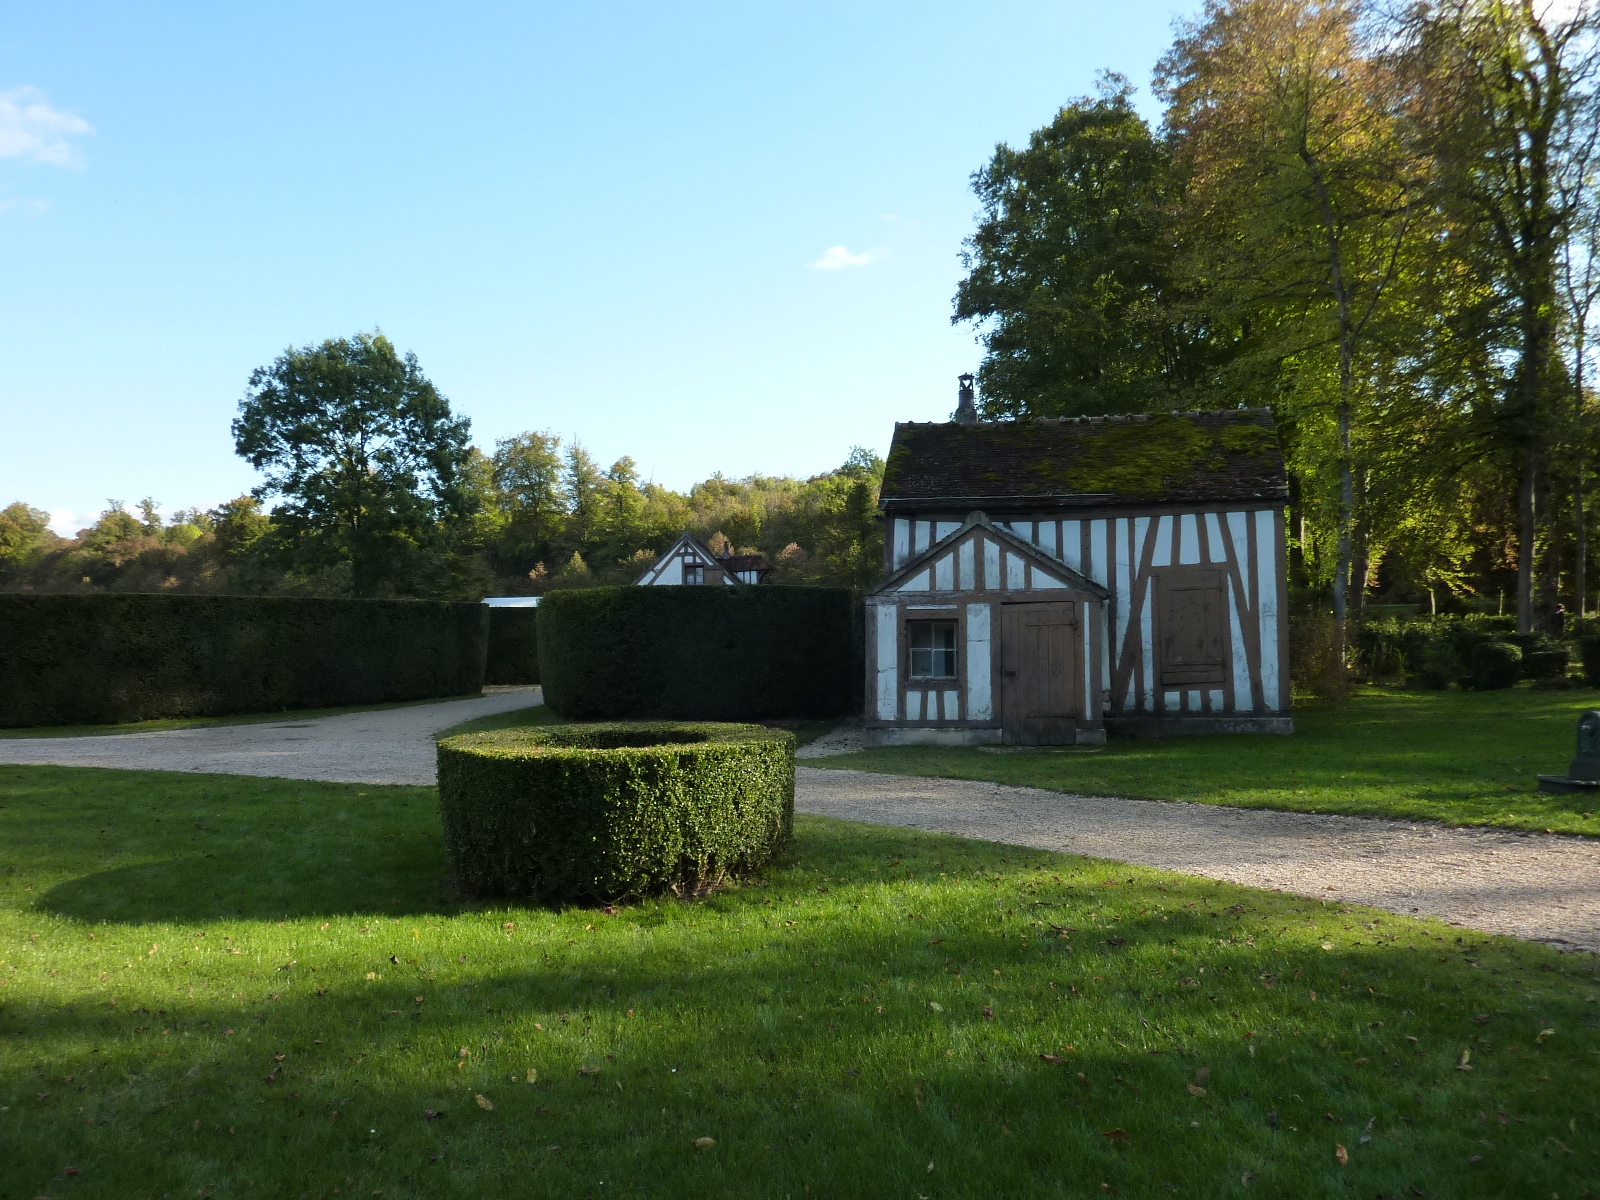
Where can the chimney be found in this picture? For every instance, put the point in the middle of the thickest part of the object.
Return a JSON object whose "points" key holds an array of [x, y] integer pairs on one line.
{"points": [[966, 411]]}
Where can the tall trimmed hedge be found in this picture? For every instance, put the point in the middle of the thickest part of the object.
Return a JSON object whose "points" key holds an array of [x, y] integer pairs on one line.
{"points": [[103, 658], [513, 646], [701, 653]]}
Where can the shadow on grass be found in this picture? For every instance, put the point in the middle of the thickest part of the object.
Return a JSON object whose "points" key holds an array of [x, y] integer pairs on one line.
{"points": [[881, 1002], [810, 1064]]}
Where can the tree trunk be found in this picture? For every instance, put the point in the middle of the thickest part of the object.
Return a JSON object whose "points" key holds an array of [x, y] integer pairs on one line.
{"points": [[1547, 563], [1360, 569], [1297, 533], [1347, 505], [1580, 548], [1527, 530]]}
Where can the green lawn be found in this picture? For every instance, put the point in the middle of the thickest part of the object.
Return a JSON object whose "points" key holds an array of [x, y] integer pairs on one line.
{"points": [[1468, 758], [227, 987]]}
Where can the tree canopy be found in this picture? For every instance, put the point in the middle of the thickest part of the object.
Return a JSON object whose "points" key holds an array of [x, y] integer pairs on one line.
{"points": [[1378, 220], [364, 453]]}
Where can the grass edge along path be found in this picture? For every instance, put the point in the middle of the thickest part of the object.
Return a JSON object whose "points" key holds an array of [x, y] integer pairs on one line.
{"points": [[160, 724], [1463, 758], [227, 986]]}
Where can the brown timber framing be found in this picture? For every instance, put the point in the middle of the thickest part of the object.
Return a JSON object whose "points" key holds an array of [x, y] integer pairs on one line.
{"points": [[1244, 538]]}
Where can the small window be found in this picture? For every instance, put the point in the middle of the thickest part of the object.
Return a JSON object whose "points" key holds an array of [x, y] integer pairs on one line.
{"points": [[933, 649], [694, 573]]}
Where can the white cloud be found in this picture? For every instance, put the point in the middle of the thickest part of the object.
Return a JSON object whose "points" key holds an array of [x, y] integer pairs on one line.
{"points": [[32, 206], [66, 523], [33, 131], [837, 258]]}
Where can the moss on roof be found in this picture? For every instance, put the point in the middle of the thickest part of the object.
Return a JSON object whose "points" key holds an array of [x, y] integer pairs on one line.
{"points": [[1176, 456]]}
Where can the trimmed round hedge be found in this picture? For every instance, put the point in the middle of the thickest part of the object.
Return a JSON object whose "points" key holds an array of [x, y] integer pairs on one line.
{"points": [[614, 810]]}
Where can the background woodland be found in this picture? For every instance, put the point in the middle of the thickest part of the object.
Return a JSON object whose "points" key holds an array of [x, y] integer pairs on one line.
{"points": [[1379, 222]]}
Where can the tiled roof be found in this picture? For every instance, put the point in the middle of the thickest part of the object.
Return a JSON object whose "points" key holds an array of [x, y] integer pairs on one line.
{"points": [[1193, 457], [745, 562]]}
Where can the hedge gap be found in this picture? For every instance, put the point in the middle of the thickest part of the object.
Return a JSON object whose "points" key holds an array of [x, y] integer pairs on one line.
{"points": [[513, 646], [701, 653], [105, 658]]}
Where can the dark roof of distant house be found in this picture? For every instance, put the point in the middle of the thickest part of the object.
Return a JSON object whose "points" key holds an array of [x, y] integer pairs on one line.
{"points": [[1180, 457], [745, 562]]}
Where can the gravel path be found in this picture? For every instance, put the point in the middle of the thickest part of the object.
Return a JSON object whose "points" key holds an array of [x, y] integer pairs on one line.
{"points": [[1526, 885], [385, 745]]}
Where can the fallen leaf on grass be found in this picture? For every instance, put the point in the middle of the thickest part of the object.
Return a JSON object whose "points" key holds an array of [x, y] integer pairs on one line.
{"points": [[1054, 1060], [1466, 1061], [484, 1102], [74, 1171], [704, 1143], [988, 1013], [533, 1075], [1117, 1135], [588, 1070], [935, 1005], [1203, 1076], [431, 1114], [1195, 1089], [1546, 1033], [1341, 1154]]}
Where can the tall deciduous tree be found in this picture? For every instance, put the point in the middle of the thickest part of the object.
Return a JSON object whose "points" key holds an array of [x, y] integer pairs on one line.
{"points": [[1494, 85], [528, 480], [1068, 271], [1301, 202], [362, 450]]}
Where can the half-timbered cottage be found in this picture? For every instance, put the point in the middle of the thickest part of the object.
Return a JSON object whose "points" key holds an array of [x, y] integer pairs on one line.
{"points": [[1049, 580], [691, 562]]}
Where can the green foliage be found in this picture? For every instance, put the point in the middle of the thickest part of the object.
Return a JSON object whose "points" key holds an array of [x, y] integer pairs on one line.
{"points": [[364, 452], [1589, 654], [1491, 664], [723, 653], [255, 917], [24, 534], [613, 811], [106, 658], [1070, 269], [513, 646]]}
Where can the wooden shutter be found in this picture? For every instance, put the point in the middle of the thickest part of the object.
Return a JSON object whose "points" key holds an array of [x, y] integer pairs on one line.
{"points": [[1192, 627]]}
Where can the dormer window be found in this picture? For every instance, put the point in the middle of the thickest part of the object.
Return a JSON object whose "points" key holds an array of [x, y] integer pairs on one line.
{"points": [[694, 573]]}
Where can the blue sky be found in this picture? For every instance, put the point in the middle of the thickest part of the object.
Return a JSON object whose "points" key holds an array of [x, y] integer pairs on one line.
{"points": [[714, 237]]}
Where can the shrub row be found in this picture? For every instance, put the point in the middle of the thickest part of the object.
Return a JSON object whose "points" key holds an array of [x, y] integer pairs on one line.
{"points": [[610, 811], [701, 653], [1478, 652], [513, 646], [103, 658]]}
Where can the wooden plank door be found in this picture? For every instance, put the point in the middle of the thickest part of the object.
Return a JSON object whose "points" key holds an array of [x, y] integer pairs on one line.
{"points": [[1041, 674]]}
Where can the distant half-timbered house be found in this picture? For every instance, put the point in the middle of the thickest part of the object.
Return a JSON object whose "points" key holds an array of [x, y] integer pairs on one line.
{"points": [[691, 562], [1047, 580]]}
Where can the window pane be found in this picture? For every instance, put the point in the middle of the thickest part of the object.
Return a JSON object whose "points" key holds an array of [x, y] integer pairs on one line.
{"points": [[933, 649]]}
